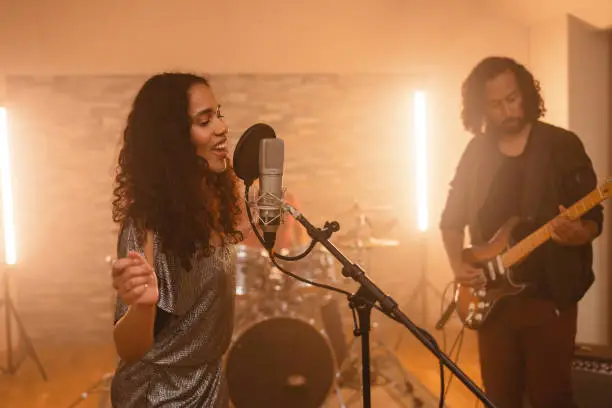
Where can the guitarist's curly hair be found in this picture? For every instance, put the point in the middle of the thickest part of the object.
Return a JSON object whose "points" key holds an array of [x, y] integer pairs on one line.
{"points": [[472, 92]]}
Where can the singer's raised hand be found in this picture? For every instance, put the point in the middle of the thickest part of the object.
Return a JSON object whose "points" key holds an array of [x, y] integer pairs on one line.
{"points": [[135, 281]]}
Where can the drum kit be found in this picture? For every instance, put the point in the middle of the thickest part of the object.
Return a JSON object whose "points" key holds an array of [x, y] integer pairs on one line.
{"points": [[290, 345]]}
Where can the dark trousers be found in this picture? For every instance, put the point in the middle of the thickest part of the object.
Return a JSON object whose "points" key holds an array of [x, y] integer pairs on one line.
{"points": [[526, 348]]}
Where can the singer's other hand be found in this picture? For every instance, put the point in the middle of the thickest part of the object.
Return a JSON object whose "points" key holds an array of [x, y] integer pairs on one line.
{"points": [[135, 281]]}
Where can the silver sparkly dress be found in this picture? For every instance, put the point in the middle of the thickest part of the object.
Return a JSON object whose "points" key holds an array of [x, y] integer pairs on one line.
{"points": [[183, 368]]}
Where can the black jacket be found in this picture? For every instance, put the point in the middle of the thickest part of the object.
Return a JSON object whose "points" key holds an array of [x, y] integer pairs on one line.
{"points": [[559, 173]]}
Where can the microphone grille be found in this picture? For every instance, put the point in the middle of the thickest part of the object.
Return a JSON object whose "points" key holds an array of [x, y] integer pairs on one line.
{"points": [[272, 153]]}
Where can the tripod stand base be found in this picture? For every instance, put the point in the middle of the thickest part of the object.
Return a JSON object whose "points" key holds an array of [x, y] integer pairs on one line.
{"points": [[28, 348], [392, 385]]}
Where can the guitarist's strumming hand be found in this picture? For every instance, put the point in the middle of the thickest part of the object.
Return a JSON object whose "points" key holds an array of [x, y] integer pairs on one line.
{"points": [[572, 232], [467, 275]]}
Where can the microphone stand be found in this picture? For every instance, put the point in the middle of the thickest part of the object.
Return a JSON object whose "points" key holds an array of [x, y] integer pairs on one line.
{"points": [[363, 300]]}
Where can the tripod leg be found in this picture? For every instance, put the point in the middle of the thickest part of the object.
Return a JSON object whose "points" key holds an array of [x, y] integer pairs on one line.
{"points": [[338, 396], [25, 338], [409, 385]]}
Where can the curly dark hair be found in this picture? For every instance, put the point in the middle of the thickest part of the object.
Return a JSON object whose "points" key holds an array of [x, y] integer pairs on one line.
{"points": [[162, 184], [472, 92]]}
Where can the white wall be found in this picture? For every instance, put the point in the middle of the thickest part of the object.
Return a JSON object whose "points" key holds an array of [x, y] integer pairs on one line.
{"points": [[571, 59], [548, 58], [589, 111], [139, 36]]}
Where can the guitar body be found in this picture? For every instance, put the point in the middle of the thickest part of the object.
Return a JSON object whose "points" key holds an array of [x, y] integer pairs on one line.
{"points": [[475, 304]]}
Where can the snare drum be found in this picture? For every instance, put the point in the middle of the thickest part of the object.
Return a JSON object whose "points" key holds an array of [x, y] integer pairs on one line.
{"points": [[281, 360]]}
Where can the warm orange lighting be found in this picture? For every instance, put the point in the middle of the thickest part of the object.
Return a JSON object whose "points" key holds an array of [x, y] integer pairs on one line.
{"points": [[420, 151], [8, 224]]}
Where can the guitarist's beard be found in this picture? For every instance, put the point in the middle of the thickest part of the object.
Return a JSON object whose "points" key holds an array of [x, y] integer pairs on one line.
{"points": [[508, 127]]}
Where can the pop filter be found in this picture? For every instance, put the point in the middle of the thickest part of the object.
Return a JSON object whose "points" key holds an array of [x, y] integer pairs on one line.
{"points": [[246, 154]]}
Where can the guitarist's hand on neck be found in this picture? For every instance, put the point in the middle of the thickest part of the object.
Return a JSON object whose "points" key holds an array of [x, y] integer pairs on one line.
{"points": [[573, 232]]}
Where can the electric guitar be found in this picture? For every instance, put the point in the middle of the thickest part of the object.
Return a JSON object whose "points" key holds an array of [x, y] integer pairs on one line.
{"points": [[496, 260]]}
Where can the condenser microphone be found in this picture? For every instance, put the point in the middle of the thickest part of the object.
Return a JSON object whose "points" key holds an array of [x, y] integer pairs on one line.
{"points": [[270, 200]]}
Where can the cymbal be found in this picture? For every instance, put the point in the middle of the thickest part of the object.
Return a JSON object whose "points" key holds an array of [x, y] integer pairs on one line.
{"points": [[369, 243], [370, 229], [358, 209]]}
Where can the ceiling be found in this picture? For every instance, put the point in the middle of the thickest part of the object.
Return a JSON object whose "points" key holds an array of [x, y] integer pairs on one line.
{"points": [[597, 13]]}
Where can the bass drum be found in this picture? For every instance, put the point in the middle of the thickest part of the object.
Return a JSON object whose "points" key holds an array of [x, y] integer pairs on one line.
{"points": [[280, 361]]}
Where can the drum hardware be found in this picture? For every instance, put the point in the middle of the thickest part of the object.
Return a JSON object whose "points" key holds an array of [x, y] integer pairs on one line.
{"points": [[357, 209], [361, 240], [370, 243], [365, 235], [252, 265], [363, 227], [102, 387]]}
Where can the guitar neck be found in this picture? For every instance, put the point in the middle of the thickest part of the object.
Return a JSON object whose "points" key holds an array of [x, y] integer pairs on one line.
{"points": [[544, 233]]}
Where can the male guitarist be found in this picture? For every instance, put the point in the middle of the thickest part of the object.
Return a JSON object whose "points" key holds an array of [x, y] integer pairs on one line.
{"points": [[516, 165]]}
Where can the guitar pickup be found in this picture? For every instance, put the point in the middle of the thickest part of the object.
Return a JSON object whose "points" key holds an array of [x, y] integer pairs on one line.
{"points": [[495, 268]]}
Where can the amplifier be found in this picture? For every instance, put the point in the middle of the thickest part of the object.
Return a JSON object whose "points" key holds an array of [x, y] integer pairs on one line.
{"points": [[592, 376]]}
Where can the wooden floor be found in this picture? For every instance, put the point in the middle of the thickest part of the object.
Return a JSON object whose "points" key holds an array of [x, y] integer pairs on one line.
{"points": [[72, 369]]}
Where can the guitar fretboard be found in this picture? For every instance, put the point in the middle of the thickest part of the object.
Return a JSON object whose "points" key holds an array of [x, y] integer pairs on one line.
{"points": [[544, 233]]}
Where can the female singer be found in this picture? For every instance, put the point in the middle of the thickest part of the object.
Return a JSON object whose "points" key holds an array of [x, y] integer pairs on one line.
{"points": [[177, 203]]}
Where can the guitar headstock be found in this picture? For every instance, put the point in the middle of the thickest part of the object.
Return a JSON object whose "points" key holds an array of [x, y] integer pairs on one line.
{"points": [[605, 189]]}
